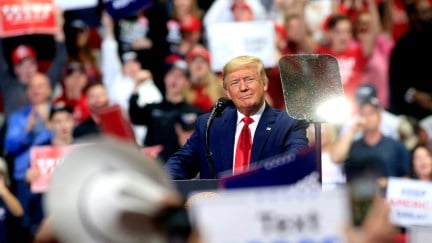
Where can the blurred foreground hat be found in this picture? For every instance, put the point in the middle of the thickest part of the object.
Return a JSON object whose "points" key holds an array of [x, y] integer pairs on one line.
{"points": [[190, 23], [198, 51], [109, 192], [22, 52]]}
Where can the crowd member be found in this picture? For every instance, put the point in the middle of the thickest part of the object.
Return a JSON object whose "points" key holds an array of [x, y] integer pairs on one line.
{"points": [[184, 24], [242, 12], [145, 34], [371, 33], [73, 94], [119, 78], [27, 127], [422, 163], [97, 98], [205, 88], [389, 156], [350, 55], [190, 29], [25, 67], [389, 123], [332, 173], [220, 11], [244, 134], [9, 204], [162, 118], [410, 89], [80, 50], [61, 124]]}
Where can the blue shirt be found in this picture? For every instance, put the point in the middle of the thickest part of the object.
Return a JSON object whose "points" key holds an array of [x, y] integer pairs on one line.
{"points": [[391, 156], [18, 142]]}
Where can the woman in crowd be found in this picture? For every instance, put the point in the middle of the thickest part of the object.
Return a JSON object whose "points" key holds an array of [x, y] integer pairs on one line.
{"points": [[422, 163]]}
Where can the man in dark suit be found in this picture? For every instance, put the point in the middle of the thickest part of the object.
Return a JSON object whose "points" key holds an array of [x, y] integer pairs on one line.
{"points": [[245, 133]]}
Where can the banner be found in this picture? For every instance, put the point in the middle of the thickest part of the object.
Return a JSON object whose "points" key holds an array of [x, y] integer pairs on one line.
{"points": [[284, 169], [410, 202], [274, 214], [125, 8], [228, 40], [75, 4], [20, 17], [45, 159]]}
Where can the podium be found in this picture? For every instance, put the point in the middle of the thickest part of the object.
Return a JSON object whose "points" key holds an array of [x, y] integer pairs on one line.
{"points": [[186, 187]]}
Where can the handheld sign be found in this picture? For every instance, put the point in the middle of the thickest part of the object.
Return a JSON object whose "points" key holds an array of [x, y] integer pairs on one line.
{"points": [[410, 202], [228, 40], [45, 159], [27, 17]]}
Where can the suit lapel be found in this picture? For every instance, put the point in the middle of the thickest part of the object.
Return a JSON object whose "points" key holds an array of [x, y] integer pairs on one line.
{"points": [[226, 137], [262, 133]]}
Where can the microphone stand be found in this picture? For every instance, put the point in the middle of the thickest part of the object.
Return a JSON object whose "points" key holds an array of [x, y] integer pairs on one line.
{"points": [[216, 112], [209, 154]]}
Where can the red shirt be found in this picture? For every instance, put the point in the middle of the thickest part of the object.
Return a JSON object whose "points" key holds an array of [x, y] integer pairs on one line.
{"points": [[351, 64], [81, 111]]}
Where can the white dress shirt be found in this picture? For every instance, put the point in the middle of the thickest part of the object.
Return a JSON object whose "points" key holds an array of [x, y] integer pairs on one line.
{"points": [[253, 126]]}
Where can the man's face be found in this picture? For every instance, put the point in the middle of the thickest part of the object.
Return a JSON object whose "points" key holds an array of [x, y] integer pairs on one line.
{"points": [[341, 36], [97, 97], [131, 67], [245, 88], [175, 81], [38, 89], [371, 116], [62, 123], [25, 70], [198, 68], [75, 82]]}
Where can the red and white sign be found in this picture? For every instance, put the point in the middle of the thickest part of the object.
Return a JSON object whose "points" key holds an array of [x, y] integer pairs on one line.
{"points": [[20, 17], [45, 159]]}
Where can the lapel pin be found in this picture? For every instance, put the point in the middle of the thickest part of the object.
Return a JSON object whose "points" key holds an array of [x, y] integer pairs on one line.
{"points": [[268, 129]]}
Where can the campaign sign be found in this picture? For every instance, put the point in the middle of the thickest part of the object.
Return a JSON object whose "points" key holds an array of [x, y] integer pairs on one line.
{"points": [[228, 40], [45, 159], [284, 169], [76, 4], [410, 202], [125, 8], [19, 17], [279, 214]]}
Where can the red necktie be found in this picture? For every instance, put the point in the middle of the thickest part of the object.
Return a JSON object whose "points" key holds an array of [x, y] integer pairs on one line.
{"points": [[244, 147]]}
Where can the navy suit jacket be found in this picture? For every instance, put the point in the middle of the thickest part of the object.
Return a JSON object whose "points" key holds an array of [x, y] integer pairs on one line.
{"points": [[276, 133]]}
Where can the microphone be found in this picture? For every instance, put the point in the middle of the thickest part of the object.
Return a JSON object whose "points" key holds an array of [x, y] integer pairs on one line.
{"points": [[217, 109]]}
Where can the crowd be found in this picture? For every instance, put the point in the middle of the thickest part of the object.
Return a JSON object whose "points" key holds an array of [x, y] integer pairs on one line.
{"points": [[156, 66]]}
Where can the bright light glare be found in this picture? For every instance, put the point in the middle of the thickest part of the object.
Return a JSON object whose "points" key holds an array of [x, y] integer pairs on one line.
{"points": [[335, 110]]}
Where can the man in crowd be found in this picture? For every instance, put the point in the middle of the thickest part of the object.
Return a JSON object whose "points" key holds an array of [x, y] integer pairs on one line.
{"points": [[244, 134], [162, 118], [25, 67], [27, 128], [390, 156]]}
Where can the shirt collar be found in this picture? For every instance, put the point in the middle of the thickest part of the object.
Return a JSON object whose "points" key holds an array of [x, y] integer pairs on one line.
{"points": [[256, 117]]}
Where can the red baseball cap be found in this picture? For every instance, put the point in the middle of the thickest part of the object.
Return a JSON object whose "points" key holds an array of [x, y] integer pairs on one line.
{"points": [[190, 23], [198, 52], [22, 52]]}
